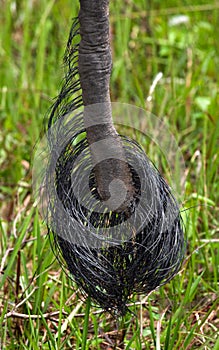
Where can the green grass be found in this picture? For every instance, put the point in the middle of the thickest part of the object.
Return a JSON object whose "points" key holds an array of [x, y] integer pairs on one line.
{"points": [[40, 308]]}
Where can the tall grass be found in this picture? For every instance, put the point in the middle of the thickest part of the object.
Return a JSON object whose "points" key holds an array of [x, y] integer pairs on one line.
{"points": [[40, 307]]}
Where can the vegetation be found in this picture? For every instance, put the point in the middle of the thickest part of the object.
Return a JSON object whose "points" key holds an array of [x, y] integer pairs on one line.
{"points": [[40, 307]]}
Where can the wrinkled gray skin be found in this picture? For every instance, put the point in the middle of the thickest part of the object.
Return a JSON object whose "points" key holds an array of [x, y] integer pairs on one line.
{"points": [[95, 64]]}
